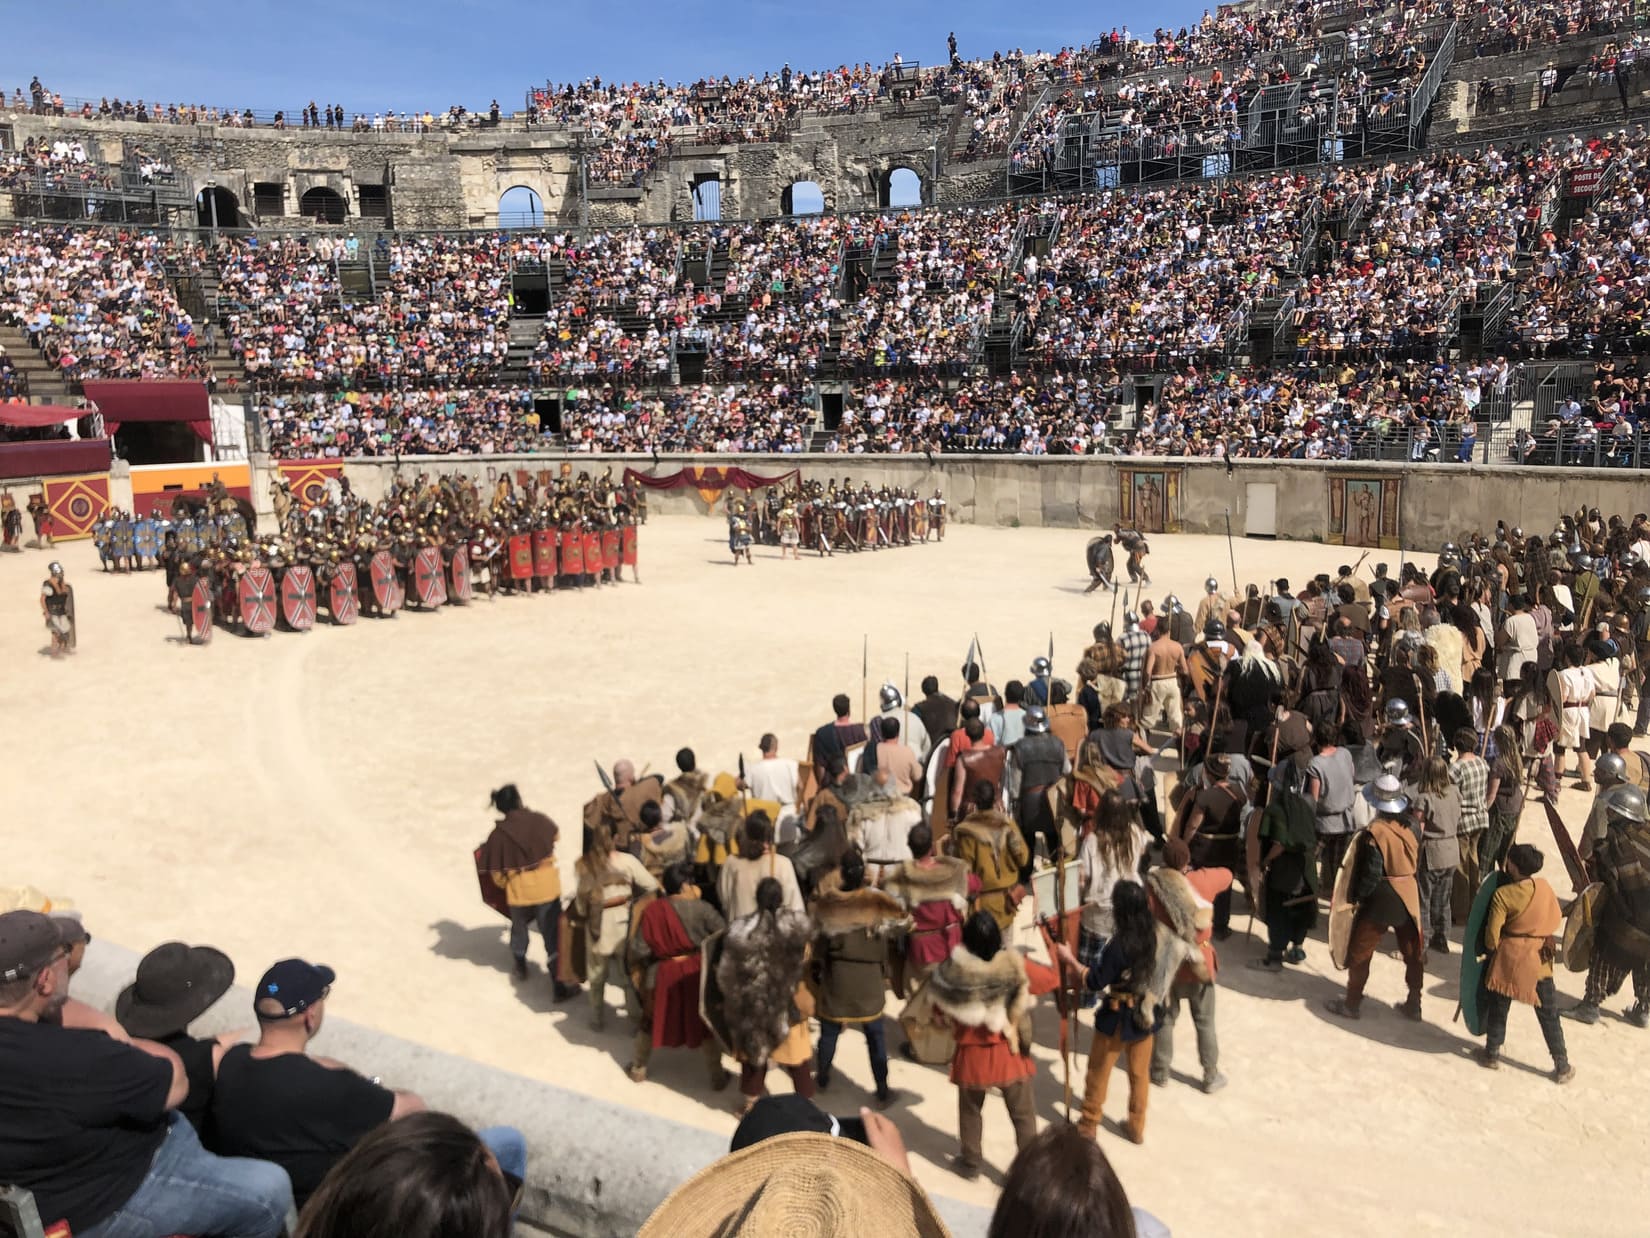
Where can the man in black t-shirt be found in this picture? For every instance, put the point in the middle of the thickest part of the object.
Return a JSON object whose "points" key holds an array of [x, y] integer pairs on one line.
{"points": [[85, 1122], [274, 1101]]}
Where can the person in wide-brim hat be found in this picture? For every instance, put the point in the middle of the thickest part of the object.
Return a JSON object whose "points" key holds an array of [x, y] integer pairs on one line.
{"points": [[800, 1185], [175, 985]]}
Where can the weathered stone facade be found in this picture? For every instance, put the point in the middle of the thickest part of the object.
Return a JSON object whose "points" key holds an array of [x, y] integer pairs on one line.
{"points": [[455, 179]]}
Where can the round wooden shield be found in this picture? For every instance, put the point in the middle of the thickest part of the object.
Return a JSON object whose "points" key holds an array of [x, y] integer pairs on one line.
{"points": [[298, 598], [385, 586], [429, 579], [341, 596], [256, 595], [1579, 928], [200, 613], [460, 591]]}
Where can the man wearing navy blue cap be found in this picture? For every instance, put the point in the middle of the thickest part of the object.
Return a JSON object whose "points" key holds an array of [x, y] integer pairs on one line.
{"points": [[277, 1101], [88, 1124]]}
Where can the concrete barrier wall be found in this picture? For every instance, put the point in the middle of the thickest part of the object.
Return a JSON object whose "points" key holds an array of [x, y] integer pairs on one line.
{"points": [[595, 1169], [1437, 503]]}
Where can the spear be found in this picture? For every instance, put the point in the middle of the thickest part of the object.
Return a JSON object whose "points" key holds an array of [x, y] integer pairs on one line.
{"points": [[1232, 554], [864, 676]]}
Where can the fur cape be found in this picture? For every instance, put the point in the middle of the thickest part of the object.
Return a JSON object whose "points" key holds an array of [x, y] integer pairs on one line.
{"points": [[987, 827], [1177, 943], [837, 911], [973, 993], [720, 819], [686, 792], [759, 971], [878, 826], [947, 880]]}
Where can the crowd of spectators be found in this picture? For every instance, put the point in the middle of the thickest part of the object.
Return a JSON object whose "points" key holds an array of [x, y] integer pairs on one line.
{"points": [[58, 166], [1358, 265], [100, 303], [403, 422], [1161, 275], [43, 102], [439, 311], [763, 417], [1587, 288]]}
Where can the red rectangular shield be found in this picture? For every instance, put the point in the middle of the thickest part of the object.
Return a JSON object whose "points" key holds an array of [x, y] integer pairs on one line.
{"points": [[627, 544], [572, 552], [592, 551], [521, 556], [610, 550], [544, 552]]}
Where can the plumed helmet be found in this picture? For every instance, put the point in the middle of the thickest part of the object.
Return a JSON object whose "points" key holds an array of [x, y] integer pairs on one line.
{"points": [[1211, 585], [1214, 630], [1624, 803], [1036, 721], [890, 697], [1610, 769], [1397, 713], [1041, 667]]}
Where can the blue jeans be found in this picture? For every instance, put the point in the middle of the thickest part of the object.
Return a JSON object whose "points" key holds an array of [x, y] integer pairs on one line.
{"points": [[508, 1146], [876, 1041], [190, 1191]]}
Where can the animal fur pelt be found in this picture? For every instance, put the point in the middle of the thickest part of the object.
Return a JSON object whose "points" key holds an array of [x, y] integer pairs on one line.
{"points": [[947, 879], [758, 973], [686, 792], [1177, 943], [986, 827], [839, 911], [974, 993], [878, 827], [719, 818]]}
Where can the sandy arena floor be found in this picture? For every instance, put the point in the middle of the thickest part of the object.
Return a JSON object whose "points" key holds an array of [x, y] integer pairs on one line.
{"points": [[321, 794]]}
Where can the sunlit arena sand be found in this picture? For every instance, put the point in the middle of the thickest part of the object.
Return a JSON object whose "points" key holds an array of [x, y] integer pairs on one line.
{"points": [[321, 794]]}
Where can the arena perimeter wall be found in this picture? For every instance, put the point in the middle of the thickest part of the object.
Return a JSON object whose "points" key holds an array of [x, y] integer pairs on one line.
{"points": [[594, 1169], [1434, 503]]}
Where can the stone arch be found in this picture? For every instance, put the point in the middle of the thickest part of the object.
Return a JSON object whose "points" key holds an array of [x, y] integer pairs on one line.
{"points": [[802, 198], [903, 182], [323, 205], [520, 206], [216, 207]]}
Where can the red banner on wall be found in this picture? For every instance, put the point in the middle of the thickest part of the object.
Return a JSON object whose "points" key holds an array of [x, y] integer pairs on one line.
{"points": [[709, 482], [76, 503], [308, 479]]}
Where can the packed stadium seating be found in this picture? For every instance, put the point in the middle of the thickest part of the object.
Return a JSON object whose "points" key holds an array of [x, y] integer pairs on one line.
{"points": [[1334, 308]]}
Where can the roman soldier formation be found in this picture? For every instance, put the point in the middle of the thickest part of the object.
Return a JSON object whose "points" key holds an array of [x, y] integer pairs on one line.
{"points": [[431, 541], [826, 518]]}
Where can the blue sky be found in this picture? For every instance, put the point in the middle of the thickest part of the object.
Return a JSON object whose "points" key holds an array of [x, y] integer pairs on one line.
{"points": [[369, 56]]}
